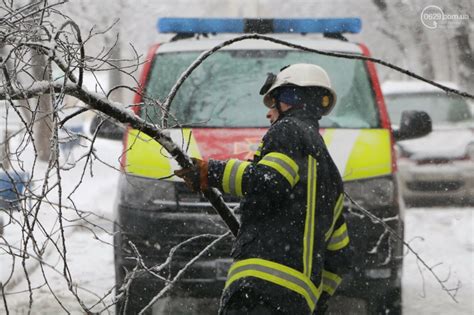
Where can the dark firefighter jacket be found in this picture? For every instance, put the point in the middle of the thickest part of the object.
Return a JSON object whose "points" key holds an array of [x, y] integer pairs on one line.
{"points": [[293, 239]]}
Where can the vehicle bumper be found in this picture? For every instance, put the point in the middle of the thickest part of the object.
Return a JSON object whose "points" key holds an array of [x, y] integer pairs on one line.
{"points": [[453, 183], [153, 233]]}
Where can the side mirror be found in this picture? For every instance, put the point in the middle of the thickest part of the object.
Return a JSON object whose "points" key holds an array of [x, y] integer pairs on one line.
{"points": [[109, 129], [413, 124]]}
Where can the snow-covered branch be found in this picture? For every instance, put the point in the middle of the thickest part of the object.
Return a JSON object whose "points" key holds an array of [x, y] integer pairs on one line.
{"points": [[117, 112]]}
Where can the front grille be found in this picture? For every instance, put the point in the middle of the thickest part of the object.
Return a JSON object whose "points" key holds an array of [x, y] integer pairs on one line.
{"points": [[435, 186], [158, 250], [186, 196], [433, 161], [440, 160]]}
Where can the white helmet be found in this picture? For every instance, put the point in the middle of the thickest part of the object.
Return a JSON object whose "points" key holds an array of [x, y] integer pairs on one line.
{"points": [[303, 75]]}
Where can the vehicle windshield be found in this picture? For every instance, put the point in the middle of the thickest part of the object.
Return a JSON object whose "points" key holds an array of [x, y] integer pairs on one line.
{"points": [[443, 109], [224, 90]]}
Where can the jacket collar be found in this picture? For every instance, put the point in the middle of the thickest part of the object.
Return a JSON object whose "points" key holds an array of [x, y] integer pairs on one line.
{"points": [[302, 114]]}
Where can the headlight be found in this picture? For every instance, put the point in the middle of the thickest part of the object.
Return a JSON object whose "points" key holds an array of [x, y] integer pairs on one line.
{"points": [[146, 193], [372, 193]]}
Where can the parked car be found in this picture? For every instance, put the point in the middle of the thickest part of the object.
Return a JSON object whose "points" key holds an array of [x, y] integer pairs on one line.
{"points": [[222, 116], [438, 168]]}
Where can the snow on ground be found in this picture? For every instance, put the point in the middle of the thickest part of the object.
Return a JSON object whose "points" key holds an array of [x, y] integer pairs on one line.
{"points": [[89, 244], [439, 235], [442, 236]]}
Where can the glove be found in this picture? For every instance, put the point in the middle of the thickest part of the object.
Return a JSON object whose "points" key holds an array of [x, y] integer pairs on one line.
{"points": [[195, 177]]}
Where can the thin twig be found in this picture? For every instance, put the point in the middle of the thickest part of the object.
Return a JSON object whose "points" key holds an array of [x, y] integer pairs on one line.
{"points": [[181, 272], [395, 235]]}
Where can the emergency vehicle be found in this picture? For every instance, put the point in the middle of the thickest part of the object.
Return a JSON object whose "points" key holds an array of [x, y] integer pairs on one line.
{"points": [[218, 113]]}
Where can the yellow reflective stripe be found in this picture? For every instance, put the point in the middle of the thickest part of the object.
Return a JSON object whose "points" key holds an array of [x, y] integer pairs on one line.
{"points": [[276, 273], [232, 178], [239, 176], [336, 213], [363, 162], [338, 208], [280, 281], [259, 150], [330, 282], [308, 237], [339, 239], [283, 164], [226, 177]]}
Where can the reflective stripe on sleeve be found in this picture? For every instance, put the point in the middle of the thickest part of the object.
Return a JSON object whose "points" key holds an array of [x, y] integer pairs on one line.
{"points": [[259, 149], [336, 213], [308, 237], [330, 282], [276, 273], [284, 165], [339, 239], [232, 179]]}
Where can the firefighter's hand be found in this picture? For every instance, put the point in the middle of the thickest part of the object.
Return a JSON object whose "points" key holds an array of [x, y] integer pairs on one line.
{"points": [[195, 177]]}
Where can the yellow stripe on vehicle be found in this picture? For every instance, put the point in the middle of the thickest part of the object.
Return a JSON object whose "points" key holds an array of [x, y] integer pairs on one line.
{"points": [[370, 156], [360, 153], [340, 146], [328, 136], [146, 157]]}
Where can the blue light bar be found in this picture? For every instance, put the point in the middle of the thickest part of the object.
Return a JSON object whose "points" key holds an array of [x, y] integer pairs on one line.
{"points": [[231, 25], [328, 25], [196, 25]]}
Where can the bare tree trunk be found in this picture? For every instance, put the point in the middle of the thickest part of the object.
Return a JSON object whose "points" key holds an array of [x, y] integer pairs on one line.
{"points": [[43, 120], [381, 5], [5, 162], [4, 136], [465, 56], [115, 76], [417, 35], [425, 58]]}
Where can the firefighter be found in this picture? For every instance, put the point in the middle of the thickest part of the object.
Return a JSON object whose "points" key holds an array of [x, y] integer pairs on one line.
{"points": [[292, 247]]}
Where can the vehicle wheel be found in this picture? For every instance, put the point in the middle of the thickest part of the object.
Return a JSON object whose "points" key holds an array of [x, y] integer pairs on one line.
{"points": [[390, 304]]}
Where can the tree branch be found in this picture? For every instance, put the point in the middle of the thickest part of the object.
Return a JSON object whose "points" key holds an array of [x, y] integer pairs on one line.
{"points": [[127, 116]]}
